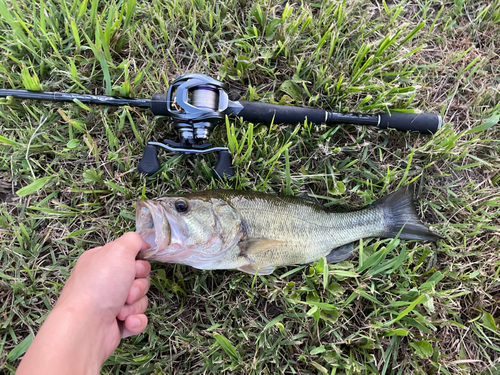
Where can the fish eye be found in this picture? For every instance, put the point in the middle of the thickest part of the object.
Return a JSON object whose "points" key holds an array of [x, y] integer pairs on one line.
{"points": [[181, 206]]}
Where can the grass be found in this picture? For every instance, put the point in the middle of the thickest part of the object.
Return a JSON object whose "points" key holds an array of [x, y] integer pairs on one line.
{"points": [[68, 178]]}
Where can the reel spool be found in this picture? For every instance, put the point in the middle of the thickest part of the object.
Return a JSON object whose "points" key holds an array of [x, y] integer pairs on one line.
{"points": [[196, 104]]}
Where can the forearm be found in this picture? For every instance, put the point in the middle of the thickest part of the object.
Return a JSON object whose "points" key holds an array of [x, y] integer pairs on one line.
{"points": [[68, 342]]}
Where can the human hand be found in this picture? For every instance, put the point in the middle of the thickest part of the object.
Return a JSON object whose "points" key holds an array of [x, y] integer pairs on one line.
{"points": [[112, 286], [103, 301]]}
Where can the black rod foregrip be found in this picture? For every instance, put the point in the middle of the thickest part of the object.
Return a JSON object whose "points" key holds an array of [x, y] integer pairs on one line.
{"points": [[280, 114], [425, 123]]}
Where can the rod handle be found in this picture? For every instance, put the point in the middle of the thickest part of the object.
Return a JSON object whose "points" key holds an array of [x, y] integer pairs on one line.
{"points": [[265, 113], [425, 123]]}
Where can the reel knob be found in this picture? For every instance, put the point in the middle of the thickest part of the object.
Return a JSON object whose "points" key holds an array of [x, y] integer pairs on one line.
{"points": [[149, 163], [224, 166]]}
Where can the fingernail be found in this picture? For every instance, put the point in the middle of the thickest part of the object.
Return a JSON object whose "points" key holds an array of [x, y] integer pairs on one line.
{"points": [[134, 322]]}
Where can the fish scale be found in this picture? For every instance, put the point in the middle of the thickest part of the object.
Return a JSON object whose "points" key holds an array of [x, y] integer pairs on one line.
{"points": [[309, 232]]}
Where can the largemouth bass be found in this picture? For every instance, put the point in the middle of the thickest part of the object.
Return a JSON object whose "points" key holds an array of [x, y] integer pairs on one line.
{"points": [[255, 232]]}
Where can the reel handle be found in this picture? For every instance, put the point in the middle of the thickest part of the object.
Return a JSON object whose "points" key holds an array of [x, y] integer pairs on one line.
{"points": [[224, 167], [149, 163]]}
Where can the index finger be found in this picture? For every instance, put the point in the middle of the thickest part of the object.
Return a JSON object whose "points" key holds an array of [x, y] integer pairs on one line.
{"points": [[132, 243]]}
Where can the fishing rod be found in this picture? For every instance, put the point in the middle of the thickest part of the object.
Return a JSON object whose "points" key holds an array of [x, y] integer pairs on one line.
{"points": [[197, 103]]}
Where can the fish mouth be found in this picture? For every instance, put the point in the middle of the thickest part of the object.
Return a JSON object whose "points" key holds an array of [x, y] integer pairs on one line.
{"points": [[153, 226]]}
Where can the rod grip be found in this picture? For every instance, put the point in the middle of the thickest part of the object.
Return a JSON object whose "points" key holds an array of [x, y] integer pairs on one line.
{"points": [[282, 114], [425, 123]]}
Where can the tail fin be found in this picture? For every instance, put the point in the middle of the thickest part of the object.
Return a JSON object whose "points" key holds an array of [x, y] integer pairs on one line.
{"points": [[399, 212]]}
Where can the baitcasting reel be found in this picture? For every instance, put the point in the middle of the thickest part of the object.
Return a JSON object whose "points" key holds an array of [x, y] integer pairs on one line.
{"points": [[197, 103]]}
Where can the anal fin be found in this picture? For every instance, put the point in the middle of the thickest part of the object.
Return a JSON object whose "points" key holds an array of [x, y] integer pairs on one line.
{"points": [[340, 253], [254, 268]]}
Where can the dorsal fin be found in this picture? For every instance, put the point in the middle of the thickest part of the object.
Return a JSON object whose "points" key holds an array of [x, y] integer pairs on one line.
{"points": [[305, 196]]}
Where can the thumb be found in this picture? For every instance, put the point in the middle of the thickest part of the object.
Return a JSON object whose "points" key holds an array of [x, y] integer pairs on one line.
{"points": [[130, 243]]}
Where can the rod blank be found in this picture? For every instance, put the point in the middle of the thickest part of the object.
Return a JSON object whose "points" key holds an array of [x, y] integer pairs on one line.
{"points": [[67, 97]]}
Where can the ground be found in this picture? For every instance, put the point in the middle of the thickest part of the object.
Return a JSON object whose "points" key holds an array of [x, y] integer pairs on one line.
{"points": [[68, 177]]}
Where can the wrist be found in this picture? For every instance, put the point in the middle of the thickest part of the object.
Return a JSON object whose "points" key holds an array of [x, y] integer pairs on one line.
{"points": [[71, 340], [83, 326], [81, 308]]}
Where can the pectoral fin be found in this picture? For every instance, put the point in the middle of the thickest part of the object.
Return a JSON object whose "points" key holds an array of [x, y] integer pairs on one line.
{"points": [[340, 253], [254, 268], [253, 246]]}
